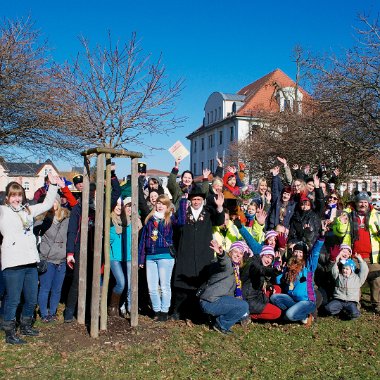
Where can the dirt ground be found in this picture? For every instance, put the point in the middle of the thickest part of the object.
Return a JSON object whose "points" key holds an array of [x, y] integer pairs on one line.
{"points": [[71, 337]]}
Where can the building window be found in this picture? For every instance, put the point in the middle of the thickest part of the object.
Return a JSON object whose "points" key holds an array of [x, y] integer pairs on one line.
{"points": [[232, 133], [287, 105], [46, 171], [202, 167], [364, 186], [220, 137], [212, 165], [208, 118], [202, 143], [194, 168], [212, 116], [211, 141], [220, 113], [374, 187], [234, 107], [195, 146], [216, 115], [26, 186]]}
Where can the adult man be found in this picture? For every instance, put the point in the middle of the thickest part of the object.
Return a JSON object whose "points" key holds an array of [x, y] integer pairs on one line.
{"points": [[359, 226], [194, 252]]}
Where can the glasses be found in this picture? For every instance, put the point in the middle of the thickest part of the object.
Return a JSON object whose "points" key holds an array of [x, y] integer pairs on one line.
{"points": [[335, 198]]}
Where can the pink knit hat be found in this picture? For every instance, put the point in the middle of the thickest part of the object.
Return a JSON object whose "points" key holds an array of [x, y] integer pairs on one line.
{"points": [[242, 247], [270, 234], [345, 246], [267, 250]]}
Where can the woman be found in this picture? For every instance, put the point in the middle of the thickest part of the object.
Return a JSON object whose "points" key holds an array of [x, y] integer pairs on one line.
{"points": [[222, 294], [20, 257], [117, 259], [53, 232], [264, 196], [297, 282], [283, 206], [154, 252], [258, 278], [186, 185]]}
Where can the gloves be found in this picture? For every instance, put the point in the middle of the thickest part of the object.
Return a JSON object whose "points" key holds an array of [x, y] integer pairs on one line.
{"points": [[237, 223], [282, 240]]}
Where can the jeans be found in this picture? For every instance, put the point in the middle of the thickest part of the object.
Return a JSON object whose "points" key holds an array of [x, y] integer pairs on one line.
{"points": [[2, 293], [51, 283], [121, 270], [21, 279], [295, 311], [336, 306], [159, 272], [227, 309]]}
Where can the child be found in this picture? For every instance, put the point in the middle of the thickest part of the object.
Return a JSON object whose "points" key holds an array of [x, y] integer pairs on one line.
{"points": [[252, 225], [347, 288]]}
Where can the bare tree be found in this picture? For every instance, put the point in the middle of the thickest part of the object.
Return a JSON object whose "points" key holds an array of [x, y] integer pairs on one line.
{"points": [[338, 125], [38, 112], [125, 97]]}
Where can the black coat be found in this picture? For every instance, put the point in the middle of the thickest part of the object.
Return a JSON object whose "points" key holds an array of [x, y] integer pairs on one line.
{"points": [[298, 233], [194, 252], [254, 277]]}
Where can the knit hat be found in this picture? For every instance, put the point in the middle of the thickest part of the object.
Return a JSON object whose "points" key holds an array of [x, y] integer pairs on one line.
{"points": [[301, 246], [345, 246], [305, 198], [350, 263], [267, 250], [362, 196], [270, 234], [242, 247], [127, 200]]}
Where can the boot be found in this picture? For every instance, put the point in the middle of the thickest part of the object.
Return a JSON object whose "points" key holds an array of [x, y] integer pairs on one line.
{"points": [[163, 317], [10, 333], [113, 308], [26, 327]]}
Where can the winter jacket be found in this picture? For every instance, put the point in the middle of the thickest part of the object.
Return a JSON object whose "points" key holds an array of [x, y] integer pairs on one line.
{"points": [[303, 286], [221, 281], [19, 246], [53, 239], [226, 237], [348, 233], [298, 233], [255, 276], [348, 288]]}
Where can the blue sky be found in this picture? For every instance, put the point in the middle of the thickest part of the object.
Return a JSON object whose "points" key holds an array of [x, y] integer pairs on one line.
{"points": [[214, 45]]}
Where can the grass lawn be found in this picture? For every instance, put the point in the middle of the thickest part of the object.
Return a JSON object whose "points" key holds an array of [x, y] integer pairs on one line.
{"points": [[330, 349]]}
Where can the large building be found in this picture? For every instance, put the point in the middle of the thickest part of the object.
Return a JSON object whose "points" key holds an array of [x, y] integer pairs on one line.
{"points": [[232, 117]]}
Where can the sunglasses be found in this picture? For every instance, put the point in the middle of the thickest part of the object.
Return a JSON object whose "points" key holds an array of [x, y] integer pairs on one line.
{"points": [[335, 198]]}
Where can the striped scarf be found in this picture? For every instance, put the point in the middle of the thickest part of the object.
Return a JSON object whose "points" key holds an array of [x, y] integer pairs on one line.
{"points": [[238, 290]]}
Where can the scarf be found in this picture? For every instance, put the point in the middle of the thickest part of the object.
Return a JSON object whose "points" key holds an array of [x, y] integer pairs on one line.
{"points": [[196, 213], [238, 290], [116, 221]]}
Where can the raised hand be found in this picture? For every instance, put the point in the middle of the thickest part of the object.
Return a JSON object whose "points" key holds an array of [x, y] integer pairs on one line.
{"points": [[206, 173], [306, 169], [219, 200], [295, 167], [60, 182], [218, 160], [261, 215], [177, 161], [316, 181], [283, 161], [216, 247]]}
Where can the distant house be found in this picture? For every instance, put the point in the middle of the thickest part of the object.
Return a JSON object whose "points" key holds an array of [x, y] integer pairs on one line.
{"points": [[232, 117], [29, 174]]}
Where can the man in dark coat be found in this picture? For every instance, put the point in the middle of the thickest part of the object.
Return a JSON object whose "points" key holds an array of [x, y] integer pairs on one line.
{"points": [[194, 252]]}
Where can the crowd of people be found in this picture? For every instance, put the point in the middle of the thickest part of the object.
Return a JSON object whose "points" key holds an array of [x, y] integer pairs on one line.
{"points": [[221, 251]]}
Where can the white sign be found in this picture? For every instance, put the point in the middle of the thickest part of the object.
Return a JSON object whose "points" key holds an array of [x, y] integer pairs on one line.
{"points": [[178, 151]]}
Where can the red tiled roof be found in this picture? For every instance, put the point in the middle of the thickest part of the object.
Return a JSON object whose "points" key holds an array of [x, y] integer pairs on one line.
{"points": [[260, 94], [157, 173]]}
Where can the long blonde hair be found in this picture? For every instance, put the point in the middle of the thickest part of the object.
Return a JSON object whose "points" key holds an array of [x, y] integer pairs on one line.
{"points": [[165, 200]]}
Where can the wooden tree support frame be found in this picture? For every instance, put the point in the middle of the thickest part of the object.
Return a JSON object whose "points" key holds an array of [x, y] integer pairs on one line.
{"points": [[104, 155]]}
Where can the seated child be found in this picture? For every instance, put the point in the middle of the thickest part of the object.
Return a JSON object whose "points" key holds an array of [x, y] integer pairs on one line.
{"points": [[347, 287]]}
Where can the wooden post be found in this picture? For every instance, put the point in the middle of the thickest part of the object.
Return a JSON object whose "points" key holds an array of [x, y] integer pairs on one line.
{"points": [[135, 265], [94, 330], [107, 265], [82, 287]]}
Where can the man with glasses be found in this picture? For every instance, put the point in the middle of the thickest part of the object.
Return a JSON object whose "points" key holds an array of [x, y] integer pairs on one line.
{"points": [[359, 226]]}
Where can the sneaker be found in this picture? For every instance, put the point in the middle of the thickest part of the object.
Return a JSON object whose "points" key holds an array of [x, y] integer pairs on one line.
{"points": [[217, 328], [46, 319]]}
